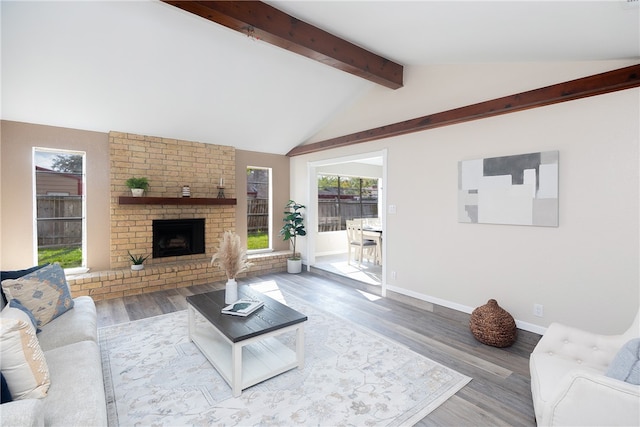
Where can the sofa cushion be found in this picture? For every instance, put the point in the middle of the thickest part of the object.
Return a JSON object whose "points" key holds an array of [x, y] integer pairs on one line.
{"points": [[44, 292], [77, 324], [76, 397], [22, 361], [23, 413], [625, 366], [16, 274]]}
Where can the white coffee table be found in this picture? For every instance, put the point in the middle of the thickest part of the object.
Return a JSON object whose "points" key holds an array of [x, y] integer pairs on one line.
{"points": [[244, 350]]}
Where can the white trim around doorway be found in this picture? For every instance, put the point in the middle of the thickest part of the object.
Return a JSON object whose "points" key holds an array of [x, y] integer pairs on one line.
{"points": [[312, 217]]}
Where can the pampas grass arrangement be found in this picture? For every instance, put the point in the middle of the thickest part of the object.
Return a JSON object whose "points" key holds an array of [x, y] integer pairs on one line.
{"points": [[231, 256]]}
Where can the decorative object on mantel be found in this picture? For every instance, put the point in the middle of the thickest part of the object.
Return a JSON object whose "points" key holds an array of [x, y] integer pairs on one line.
{"points": [[186, 191], [221, 189], [292, 228], [232, 257], [492, 325], [137, 261], [138, 186]]}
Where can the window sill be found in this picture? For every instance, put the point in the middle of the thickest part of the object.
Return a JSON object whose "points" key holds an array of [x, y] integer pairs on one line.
{"points": [[75, 270]]}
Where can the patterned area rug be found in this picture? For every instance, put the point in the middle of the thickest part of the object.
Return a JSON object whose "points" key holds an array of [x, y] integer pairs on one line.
{"points": [[353, 376]]}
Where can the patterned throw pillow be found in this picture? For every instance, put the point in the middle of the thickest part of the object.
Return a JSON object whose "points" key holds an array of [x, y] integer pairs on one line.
{"points": [[22, 361], [44, 292], [15, 274]]}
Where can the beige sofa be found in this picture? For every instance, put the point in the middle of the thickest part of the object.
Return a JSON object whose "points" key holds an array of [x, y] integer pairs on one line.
{"points": [[572, 382], [76, 394]]}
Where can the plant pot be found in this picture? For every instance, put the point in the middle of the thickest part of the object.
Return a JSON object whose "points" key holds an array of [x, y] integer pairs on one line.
{"points": [[137, 192], [294, 265], [137, 267], [231, 291]]}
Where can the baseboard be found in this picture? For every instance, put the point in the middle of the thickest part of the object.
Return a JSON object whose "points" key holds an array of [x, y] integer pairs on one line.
{"points": [[431, 299], [525, 326]]}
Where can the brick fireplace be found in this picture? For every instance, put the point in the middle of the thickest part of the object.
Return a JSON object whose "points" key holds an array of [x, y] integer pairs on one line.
{"points": [[168, 164]]}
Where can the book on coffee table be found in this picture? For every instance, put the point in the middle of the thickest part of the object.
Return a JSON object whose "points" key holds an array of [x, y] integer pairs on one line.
{"points": [[242, 307]]}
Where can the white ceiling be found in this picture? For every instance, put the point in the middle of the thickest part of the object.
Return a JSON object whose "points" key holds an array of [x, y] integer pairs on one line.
{"points": [[147, 67]]}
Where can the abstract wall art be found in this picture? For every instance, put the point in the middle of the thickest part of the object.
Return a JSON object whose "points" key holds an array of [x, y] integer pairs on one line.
{"points": [[516, 190]]}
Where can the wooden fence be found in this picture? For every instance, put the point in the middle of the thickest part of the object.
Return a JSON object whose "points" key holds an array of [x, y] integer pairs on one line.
{"points": [[257, 215], [59, 221], [332, 216]]}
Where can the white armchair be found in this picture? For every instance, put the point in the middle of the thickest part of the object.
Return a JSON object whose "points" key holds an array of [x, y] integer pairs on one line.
{"points": [[568, 381]]}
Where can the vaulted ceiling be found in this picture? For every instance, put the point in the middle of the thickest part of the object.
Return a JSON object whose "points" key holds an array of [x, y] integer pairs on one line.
{"points": [[148, 67]]}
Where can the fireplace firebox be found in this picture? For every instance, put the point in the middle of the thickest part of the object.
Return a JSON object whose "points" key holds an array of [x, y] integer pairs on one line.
{"points": [[177, 237]]}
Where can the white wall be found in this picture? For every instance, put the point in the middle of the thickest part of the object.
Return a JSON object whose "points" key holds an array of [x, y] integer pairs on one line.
{"points": [[585, 272]]}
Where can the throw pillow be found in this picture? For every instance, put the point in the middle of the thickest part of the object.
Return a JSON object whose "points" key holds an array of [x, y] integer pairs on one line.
{"points": [[16, 274], [625, 366], [44, 292], [17, 304], [5, 394], [22, 361]]}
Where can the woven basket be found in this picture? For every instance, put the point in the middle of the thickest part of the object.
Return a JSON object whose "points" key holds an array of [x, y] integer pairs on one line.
{"points": [[493, 325]]}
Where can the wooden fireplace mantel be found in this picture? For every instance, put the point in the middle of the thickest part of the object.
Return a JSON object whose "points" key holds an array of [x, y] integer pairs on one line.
{"points": [[128, 200]]}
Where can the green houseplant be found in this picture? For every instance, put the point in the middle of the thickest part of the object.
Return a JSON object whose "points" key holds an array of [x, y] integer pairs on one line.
{"points": [[137, 261], [138, 185], [292, 228]]}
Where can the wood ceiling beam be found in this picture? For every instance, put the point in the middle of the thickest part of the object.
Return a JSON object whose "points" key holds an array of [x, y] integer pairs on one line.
{"points": [[264, 22], [598, 84]]}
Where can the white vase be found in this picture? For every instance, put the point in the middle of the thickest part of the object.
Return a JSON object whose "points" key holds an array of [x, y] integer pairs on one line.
{"points": [[137, 267], [137, 192], [231, 291]]}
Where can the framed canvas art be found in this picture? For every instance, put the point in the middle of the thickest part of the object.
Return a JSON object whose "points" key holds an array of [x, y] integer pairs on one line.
{"points": [[517, 190]]}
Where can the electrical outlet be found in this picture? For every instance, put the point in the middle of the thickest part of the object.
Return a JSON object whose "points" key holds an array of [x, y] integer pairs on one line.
{"points": [[538, 310]]}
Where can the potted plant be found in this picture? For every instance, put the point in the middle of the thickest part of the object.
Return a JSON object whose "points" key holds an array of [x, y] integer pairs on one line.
{"points": [[138, 186], [137, 261], [232, 257], [292, 228]]}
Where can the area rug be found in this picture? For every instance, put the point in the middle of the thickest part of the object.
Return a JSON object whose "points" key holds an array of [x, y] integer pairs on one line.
{"points": [[352, 376]]}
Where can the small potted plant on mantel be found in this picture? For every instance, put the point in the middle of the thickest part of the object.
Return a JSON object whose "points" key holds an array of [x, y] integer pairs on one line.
{"points": [[138, 186], [292, 228], [137, 261]]}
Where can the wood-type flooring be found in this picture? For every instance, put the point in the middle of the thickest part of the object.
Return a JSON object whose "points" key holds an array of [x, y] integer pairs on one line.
{"points": [[499, 393]]}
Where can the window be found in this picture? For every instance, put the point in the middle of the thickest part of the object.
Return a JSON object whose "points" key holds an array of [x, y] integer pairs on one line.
{"points": [[258, 208], [342, 198], [60, 207]]}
